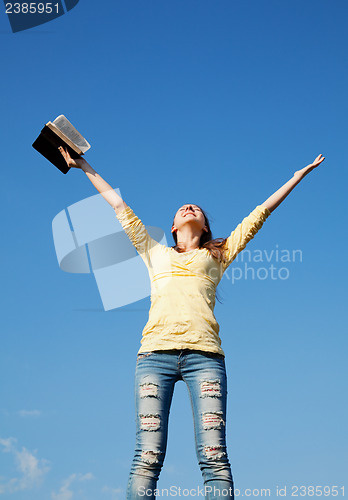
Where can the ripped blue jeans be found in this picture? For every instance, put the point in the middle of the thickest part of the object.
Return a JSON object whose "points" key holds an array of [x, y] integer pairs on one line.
{"points": [[205, 376]]}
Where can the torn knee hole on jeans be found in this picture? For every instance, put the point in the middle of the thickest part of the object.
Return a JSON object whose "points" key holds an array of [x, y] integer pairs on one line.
{"points": [[212, 420], [214, 452], [210, 389], [150, 422], [150, 457], [148, 390]]}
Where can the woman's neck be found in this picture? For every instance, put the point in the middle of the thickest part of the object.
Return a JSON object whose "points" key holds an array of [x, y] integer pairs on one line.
{"points": [[188, 240]]}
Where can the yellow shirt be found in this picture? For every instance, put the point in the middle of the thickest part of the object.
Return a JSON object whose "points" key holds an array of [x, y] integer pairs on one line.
{"points": [[183, 285]]}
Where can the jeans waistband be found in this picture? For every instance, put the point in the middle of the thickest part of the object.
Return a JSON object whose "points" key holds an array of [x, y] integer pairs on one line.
{"points": [[188, 351]]}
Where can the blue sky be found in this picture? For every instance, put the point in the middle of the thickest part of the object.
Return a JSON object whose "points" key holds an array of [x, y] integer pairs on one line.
{"points": [[216, 103]]}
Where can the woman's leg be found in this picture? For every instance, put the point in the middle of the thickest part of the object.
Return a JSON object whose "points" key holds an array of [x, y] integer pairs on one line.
{"points": [[155, 377], [205, 376]]}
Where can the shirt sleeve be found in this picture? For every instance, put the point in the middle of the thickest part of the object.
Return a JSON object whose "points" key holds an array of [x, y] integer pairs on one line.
{"points": [[244, 232], [137, 233]]}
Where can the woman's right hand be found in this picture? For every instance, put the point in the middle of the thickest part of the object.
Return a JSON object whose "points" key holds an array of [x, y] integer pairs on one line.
{"points": [[72, 162]]}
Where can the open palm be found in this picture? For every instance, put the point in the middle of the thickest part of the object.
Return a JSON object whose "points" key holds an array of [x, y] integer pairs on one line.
{"points": [[304, 171]]}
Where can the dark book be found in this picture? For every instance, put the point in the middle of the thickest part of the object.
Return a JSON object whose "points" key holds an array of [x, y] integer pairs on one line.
{"points": [[60, 132]]}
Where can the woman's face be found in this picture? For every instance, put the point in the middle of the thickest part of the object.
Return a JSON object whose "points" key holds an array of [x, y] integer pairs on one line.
{"points": [[189, 214]]}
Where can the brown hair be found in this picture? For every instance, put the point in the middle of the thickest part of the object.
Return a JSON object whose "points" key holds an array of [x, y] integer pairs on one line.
{"points": [[214, 246]]}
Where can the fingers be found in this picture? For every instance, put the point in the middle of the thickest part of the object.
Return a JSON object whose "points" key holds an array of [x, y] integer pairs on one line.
{"points": [[319, 159], [64, 153]]}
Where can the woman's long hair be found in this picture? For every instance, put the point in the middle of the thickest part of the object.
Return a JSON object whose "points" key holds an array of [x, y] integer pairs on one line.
{"points": [[214, 246]]}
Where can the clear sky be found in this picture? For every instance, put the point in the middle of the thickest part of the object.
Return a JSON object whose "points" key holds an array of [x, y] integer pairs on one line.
{"points": [[214, 102]]}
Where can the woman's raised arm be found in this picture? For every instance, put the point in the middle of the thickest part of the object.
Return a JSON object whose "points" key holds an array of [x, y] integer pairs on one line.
{"points": [[102, 186], [276, 198]]}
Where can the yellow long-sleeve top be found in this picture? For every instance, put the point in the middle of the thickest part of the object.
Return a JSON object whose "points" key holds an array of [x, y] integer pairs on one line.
{"points": [[183, 285]]}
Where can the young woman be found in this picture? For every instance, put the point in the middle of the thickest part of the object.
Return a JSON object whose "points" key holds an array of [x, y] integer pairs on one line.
{"points": [[181, 339]]}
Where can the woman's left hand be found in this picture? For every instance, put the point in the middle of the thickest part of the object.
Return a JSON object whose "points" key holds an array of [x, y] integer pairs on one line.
{"points": [[304, 171]]}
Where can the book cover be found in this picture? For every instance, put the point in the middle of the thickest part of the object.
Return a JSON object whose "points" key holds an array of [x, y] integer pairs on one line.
{"points": [[60, 132]]}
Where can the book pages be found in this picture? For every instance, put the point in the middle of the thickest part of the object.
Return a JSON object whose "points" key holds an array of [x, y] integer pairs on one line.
{"points": [[71, 133]]}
